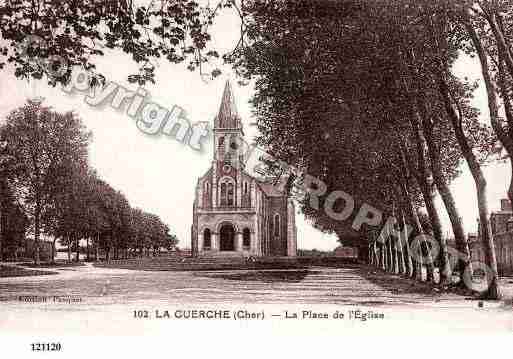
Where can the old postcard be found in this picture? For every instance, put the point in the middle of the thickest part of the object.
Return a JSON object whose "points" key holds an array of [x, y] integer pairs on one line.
{"points": [[225, 173]]}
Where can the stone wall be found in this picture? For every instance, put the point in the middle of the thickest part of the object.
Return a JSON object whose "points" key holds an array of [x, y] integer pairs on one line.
{"points": [[504, 252], [278, 206]]}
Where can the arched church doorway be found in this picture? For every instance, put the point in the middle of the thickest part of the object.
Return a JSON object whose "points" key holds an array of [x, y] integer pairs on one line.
{"points": [[227, 234], [207, 239]]}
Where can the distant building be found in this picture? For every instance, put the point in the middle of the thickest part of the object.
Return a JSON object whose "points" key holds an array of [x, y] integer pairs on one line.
{"points": [[501, 223], [235, 214]]}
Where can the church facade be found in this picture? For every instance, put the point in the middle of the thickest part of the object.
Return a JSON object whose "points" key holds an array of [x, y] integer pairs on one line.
{"points": [[235, 214]]}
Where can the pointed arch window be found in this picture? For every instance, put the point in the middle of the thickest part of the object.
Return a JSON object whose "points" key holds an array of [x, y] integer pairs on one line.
{"points": [[206, 194], [227, 192], [230, 195], [224, 199]]}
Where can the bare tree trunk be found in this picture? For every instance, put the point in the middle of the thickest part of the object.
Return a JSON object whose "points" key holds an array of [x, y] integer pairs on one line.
{"points": [[390, 256], [97, 248], [419, 257], [387, 253], [37, 231], [404, 244], [375, 250], [507, 136], [450, 206], [401, 269], [69, 246], [383, 257], [398, 251], [457, 227], [425, 180], [53, 250], [493, 291], [480, 182], [87, 245], [424, 176], [77, 243], [387, 256], [417, 266], [396, 257], [487, 239], [429, 200], [372, 248], [405, 248]]}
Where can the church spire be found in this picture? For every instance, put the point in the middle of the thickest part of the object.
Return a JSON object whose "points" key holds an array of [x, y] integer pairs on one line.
{"points": [[228, 116]]}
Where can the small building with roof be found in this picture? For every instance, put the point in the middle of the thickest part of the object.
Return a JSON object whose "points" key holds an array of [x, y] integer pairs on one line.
{"points": [[501, 223]]}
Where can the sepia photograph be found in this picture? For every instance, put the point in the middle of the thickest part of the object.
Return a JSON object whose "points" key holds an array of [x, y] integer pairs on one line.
{"points": [[242, 171]]}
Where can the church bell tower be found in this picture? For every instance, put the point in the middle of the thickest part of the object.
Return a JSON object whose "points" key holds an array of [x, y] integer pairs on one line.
{"points": [[228, 161]]}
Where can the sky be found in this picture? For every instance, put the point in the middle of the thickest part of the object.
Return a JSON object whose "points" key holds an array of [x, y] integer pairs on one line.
{"points": [[159, 174]]}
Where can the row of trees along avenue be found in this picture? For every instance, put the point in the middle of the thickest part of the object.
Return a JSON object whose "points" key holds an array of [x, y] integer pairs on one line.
{"points": [[48, 187], [362, 95]]}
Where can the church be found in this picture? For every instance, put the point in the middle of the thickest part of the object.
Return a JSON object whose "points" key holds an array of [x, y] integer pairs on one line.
{"points": [[235, 214]]}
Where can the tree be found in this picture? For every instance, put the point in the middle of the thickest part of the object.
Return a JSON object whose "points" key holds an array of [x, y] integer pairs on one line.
{"points": [[13, 223], [43, 144], [334, 102], [76, 33]]}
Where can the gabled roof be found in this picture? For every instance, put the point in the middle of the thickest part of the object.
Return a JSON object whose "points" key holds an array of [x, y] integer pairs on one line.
{"points": [[269, 189], [228, 117]]}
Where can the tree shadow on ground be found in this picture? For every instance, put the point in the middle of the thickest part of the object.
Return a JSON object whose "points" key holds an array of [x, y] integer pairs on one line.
{"points": [[268, 276], [11, 271], [401, 285], [57, 264]]}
